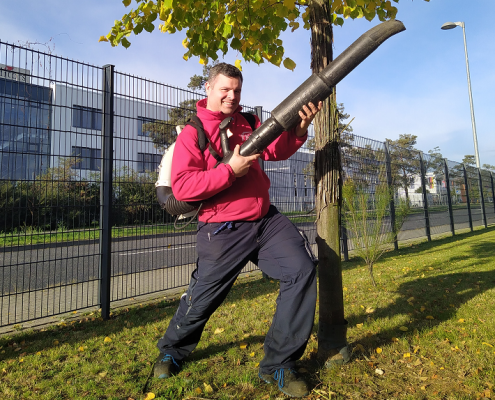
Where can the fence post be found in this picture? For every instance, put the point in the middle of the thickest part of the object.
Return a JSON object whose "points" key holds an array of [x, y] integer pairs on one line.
{"points": [[388, 163], [343, 238], [425, 197], [106, 190], [466, 190], [449, 197], [483, 211], [493, 191], [258, 110]]}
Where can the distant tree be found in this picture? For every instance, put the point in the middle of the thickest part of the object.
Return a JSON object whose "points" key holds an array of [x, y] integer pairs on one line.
{"points": [[488, 167], [405, 167], [469, 160]]}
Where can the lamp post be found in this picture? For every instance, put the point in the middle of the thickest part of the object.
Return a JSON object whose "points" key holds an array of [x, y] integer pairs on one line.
{"points": [[452, 25]]}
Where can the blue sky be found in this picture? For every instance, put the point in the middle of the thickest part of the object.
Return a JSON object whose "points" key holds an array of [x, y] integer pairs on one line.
{"points": [[414, 83]]}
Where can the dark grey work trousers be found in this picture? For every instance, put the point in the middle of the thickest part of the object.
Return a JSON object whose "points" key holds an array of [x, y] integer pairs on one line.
{"points": [[275, 245]]}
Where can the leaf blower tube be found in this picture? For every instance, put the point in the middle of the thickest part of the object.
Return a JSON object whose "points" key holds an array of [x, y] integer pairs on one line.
{"points": [[315, 89]]}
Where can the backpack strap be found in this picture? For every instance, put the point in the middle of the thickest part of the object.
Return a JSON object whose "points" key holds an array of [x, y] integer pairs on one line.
{"points": [[196, 123]]}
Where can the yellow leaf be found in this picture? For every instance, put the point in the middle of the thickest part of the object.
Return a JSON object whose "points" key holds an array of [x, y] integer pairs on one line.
{"points": [[103, 374], [243, 345], [149, 396], [251, 354], [410, 299], [487, 344], [107, 340], [238, 65], [208, 388], [394, 339], [256, 365], [21, 360], [102, 39], [55, 342], [218, 330], [378, 350], [232, 306], [370, 310], [81, 348], [359, 326], [198, 390], [461, 320], [422, 309], [38, 353], [185, 43], [429, 317], [407, 355], [423, 388], [403, 328]]}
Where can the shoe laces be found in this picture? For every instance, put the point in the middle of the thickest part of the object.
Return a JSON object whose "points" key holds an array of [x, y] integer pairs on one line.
{"points": [[168, 357], [279, 376]]}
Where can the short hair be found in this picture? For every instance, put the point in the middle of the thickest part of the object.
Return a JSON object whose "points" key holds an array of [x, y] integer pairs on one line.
{"points": [[224, 69]]}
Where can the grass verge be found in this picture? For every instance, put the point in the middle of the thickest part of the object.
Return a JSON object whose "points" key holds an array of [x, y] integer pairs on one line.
{"points": [[426, 332]]}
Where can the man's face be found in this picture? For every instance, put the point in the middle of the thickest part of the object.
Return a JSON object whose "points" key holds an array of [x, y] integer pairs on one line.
{"points": [[224, 94]]}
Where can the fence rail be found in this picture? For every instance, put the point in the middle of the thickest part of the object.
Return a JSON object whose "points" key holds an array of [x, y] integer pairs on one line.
{"points": [[81, 227]]}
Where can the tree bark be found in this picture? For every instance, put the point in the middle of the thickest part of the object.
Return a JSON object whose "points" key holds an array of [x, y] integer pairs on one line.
{"points": [[332, 324]]}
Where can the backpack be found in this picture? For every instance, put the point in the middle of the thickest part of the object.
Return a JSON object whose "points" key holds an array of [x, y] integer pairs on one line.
{"points": [[163, 185]]}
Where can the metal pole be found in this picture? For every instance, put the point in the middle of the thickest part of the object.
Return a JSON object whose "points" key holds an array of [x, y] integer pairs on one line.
{"points": [[106, 190], [473, 123], [449, 197], [259, 113], [493, 191], [425, 198]]}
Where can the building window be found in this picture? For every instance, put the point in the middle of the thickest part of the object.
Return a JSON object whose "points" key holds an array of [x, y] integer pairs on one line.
{"points": [[86, 117], [148, 162], [86, 158]]}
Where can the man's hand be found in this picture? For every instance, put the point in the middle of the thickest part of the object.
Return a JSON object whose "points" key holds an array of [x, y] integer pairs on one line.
{"points": [[239, 164], [307, 115]]}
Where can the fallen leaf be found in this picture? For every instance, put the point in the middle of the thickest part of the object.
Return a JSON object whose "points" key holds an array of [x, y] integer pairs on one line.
{"points": [[378, 350], [208, 388], [487, 344], [198, 390], [370, 310], [107, 340], [251, 354], [403, 328], [218, 330], [407, 355], [149, 396], [55, 342], [359, 326], [379, 371], [410, 299], [243, 345], [394, 339], [461, 320], [430, 317], [103, 374], [81, 348], [422, 309]]}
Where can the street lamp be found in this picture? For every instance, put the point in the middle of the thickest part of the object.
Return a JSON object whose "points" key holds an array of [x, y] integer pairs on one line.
{"points": [[452, 25]]}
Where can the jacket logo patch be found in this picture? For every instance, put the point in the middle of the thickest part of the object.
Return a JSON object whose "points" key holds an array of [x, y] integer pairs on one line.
{"points": [[245, 135]]}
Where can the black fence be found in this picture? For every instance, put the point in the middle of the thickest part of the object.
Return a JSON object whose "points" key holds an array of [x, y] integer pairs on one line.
{"points": [[81, 227]]}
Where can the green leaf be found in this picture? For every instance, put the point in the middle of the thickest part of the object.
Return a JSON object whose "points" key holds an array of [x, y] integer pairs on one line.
{"points": [[227, 30], [149, 27], [125, 43], [138, 29], [126, 2], [236, 44]]}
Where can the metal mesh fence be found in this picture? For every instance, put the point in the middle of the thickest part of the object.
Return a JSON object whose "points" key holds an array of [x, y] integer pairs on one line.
{"points": [[54, 123]]}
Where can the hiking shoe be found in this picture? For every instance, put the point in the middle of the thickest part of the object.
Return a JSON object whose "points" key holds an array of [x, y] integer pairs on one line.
{"points": [[288, 382], [165, 367]]}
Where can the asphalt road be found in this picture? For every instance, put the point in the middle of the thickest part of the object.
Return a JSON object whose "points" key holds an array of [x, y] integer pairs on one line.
{"points": [[63, 264]]}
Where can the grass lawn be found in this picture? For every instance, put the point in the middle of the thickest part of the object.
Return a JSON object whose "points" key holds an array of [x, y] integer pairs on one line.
{"points": [[426, 332]]}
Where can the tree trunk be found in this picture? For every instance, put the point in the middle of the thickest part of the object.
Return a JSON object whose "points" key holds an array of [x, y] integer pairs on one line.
{"points": [[332, 324]]}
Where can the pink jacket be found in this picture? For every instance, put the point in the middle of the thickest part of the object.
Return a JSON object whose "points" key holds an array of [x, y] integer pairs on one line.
{"points": [[225, 197]]}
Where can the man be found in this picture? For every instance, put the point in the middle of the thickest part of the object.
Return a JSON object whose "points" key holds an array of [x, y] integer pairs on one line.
{"points": [[237, 224]]}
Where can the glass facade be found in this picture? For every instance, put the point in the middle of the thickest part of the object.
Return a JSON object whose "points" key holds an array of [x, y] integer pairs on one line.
{"points": [[24, 129]]}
